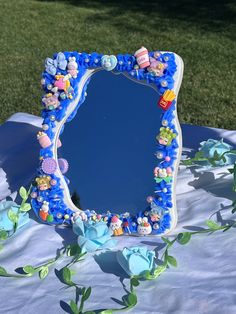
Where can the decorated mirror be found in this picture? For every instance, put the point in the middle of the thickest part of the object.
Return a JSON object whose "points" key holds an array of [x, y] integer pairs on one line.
{"points": [[110, 141]]}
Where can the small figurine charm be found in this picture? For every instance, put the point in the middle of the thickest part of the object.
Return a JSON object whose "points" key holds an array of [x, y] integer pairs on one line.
{"points": [[166, 136], [43, 213], [109, 62], [116, 226], [72, 67], [43, 183], [156, 68], [156, 212], [163, 174], [51, 101], [144, 226]]}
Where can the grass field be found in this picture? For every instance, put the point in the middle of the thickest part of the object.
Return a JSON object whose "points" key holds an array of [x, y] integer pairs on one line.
{"points": [[202, 32]]}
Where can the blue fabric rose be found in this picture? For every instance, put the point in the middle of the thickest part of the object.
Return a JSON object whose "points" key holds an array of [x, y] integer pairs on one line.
{"points": [[7, 224], [209, 147], [93, 235], [136, 260]]}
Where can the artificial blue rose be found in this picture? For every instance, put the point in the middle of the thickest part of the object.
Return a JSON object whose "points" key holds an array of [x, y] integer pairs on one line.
{"points": [[93, 235], [136, 260], [5, 223], [209, 147]]}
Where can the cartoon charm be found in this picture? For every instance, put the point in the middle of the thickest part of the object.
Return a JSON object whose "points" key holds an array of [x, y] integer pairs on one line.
{"points": [[163, 174], [43, 213], [166, 99], [51, 101], [166, 136], [43, 183], [156, 68], [72, 67], [156, 212], [144, 226], [62, 83], [116, 226]]}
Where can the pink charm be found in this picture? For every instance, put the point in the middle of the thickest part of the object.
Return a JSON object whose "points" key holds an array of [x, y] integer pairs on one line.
{"points": [[169, 171], [72, 67], [156, 170], [167, 158], [63, 165], [142, 57], [149, 199], [43, 139], [59, 144], [53, 182], [60, 84], [156, 67], [33, 194], [49, 165]]}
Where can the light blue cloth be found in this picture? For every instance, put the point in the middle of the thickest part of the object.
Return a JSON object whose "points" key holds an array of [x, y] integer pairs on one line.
{"points": [[5, 223]]}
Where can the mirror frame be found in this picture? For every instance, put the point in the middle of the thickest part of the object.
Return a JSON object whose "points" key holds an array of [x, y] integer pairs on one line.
{"points": [[65, 80]]}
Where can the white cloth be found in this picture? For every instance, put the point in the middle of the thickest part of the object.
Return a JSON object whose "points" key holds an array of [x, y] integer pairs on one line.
{"points": [[203, 282]]}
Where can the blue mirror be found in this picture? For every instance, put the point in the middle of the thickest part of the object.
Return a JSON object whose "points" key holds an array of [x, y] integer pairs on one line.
{"points": [[110, 145]]}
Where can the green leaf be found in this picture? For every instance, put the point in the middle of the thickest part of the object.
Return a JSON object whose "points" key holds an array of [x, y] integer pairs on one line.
{"points": [[28, 269], [231, 170], [216, 155], [199, 155], [227, 228], [233, 210], [90, 312], [87, 294], [131, 299], [23, 193], [184, 237], [74, 307], [12, 216], [66, 274], [172, 261], [107, 312], [72, 272], [166, 240], [25, 207], [73, 250], [134, 282], [3, 234], [43, 272], [212, 225], [3, 271], [159, 270]]}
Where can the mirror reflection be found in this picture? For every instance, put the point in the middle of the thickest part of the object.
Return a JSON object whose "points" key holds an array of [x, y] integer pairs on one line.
{"points": [[110, 145]]}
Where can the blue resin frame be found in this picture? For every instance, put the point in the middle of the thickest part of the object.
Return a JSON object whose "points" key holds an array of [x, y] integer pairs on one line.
{"points": [[64, 81]]}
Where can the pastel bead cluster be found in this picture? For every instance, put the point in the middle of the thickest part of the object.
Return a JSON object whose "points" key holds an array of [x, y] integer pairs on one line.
{"points": [[60, 81]]}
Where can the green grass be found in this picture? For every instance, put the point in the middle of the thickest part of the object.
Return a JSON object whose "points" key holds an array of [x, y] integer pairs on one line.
{"points": [[201, 32]]}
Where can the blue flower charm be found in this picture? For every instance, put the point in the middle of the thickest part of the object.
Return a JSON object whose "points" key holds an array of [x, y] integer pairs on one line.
{"points": [[7, 224], [209, 147], [51, 65], [93, 235], [109, 62], [136, 260]]}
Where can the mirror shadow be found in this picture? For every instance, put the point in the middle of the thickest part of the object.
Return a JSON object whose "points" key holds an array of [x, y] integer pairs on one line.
{"points": [[110, 145]]}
